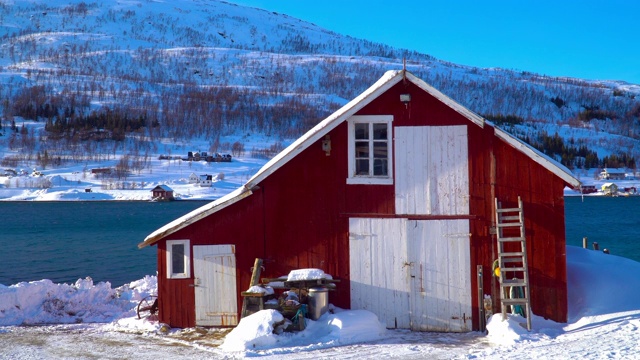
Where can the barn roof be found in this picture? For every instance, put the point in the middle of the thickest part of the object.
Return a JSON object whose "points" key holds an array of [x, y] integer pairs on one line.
{"points": [[388, 80], [558, 169], [614, 171], [162, 187]]}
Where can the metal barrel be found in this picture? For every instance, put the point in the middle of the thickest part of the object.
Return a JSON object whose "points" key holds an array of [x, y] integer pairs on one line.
{"points": [[318, 302]]}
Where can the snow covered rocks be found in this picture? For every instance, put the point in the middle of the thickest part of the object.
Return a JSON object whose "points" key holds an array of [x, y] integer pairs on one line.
{"points": [[255, 333]]}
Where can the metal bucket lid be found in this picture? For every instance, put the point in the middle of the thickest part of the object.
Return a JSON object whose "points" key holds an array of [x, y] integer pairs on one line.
{"points": [[318, 289]]}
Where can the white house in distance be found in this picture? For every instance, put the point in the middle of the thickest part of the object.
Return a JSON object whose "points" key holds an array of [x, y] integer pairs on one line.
{"points": [[205, 180], [612, 174], [609, 188]]}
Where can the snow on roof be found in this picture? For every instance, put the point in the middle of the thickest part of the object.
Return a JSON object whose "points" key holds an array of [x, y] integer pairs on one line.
{"points": [[196, 215], [388, 80], [163, 187], [614, 171], [558, 169]]}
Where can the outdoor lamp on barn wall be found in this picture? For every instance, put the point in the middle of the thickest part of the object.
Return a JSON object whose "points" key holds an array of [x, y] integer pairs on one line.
{"points": [[405, 98], [326, 145]]}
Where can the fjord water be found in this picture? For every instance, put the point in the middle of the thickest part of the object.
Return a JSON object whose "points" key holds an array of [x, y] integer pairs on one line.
{"points": [[65, 241], [612, 222]]}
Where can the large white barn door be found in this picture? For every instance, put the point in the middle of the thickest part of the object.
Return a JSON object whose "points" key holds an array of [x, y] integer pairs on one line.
{"points": [[214, 269], [378, 269], [439, 255], [413, 274], [431, 170]]}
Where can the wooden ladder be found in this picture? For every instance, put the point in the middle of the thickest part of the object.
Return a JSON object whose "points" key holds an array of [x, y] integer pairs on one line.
{"points": [[513, 260]]}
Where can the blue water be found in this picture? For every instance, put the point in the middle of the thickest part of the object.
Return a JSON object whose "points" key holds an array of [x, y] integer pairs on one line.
{"points": [[65, 241], [612, 222]]}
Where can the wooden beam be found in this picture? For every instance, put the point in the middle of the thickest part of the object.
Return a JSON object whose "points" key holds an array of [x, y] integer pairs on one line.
{"points": [[255, 272]]}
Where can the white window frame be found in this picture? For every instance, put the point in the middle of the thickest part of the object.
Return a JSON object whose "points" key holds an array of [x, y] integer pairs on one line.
{"points": [[187, 260], [352, 178]]}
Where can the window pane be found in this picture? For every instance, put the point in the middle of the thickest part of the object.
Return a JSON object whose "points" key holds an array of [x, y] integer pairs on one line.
{"points": [[362, 166], [380, 150], [177, 258], [362, 149], [380, 167], [380, 131], [362, 131]]}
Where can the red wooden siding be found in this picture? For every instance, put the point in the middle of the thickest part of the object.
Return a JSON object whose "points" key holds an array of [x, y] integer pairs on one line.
{"points": [[543, 201], [240, 224], [481, 168], [301, 225]]}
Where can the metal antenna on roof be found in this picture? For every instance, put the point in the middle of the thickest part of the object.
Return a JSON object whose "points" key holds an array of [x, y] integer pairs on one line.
{"points": [[404, 69]]}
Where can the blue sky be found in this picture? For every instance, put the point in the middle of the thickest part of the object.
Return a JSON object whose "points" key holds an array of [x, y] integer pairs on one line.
{"points": [[588, 39]]}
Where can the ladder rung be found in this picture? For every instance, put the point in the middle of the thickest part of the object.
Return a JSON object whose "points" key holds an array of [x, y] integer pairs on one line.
{"points": [[509, 218], [511, 260], [516, 301], [511, 239], [521, 253], [509, 225], [506, 269], [503, 210], [516, 282]]}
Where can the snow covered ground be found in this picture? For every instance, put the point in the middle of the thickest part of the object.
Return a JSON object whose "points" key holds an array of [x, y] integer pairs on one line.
{"points": [[84, 320], [72, 181]]}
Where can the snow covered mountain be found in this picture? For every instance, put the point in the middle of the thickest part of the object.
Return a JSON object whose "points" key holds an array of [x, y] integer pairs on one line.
{"points": [[200, 69]]}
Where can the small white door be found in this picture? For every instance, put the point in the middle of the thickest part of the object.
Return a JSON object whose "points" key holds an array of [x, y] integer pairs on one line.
{"points": [[215, 285]]}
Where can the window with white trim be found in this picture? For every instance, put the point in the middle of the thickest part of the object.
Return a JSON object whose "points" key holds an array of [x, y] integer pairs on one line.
{"points": [[370, 149], [178, 259]]}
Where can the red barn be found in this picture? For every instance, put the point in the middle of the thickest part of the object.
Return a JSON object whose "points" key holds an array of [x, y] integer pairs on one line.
{"points": [[393, 194]]}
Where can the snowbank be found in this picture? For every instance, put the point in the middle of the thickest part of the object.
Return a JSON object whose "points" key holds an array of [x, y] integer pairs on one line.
{"points": [[255, 333], [43, 302], [600, 287], [601, 283]]}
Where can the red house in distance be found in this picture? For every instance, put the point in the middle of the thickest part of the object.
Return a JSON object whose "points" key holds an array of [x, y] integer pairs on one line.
{"points": [[393, 195], [162, 192]]}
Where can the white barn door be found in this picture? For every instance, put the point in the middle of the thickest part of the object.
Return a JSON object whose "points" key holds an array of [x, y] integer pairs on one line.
{"points": [[214, 270], [378, 269], [431, 170], [440, 258], [413, 274]]}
